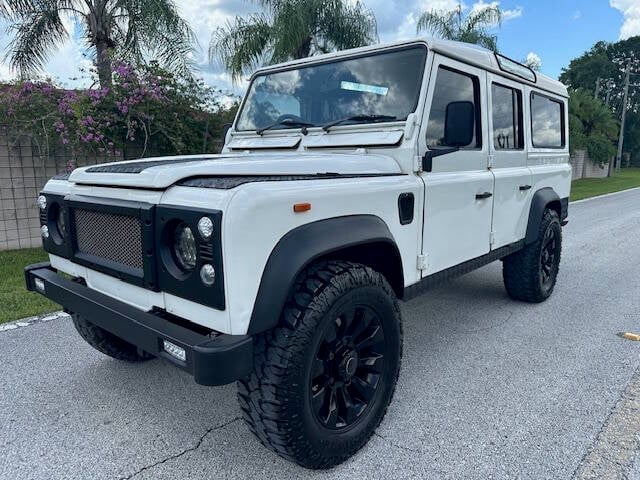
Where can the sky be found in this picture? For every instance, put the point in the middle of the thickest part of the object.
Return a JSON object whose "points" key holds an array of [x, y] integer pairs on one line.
{"points": [[553, 30]]}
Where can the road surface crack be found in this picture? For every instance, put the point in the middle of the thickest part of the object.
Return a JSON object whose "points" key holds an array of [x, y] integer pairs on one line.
{"points": [[181, 453], [393, 444]]}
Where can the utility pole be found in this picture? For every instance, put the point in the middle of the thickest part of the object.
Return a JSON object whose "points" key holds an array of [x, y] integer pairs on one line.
{"points": [[624, 114], [597, 88]]}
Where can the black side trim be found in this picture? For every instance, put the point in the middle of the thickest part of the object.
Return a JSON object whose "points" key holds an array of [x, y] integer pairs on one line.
{"points": [[211, 357], [227, 182], [443, 276], [299, 248], [139, 167], [542, 199]]}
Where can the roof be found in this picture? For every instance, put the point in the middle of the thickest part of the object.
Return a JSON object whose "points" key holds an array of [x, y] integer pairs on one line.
{"points": [[464, 52]]}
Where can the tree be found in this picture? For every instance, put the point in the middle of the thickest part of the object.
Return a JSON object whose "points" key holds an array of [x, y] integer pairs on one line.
{"points": [[607, 62], [473, 29], [291, 29], [592, 126], [126, 30]]}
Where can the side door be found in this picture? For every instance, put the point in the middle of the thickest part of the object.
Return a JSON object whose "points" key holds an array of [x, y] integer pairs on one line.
{"points": [[508, 161], [459, 188]]}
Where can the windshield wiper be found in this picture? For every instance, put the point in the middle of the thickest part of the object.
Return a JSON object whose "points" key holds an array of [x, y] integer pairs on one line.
{"points": [[287, 122], [362, 118]]}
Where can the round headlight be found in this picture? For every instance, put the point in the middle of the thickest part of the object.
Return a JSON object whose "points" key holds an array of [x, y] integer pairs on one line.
{"points": [[205, 227], [42, 202], [208, 274], [184, 247], [45, 231]]}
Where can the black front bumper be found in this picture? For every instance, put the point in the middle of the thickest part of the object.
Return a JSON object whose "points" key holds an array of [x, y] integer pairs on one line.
{"points": [[212, 359]]}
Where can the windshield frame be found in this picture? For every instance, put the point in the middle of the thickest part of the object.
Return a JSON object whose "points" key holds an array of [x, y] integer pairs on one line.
{"points": [[310, 62]]}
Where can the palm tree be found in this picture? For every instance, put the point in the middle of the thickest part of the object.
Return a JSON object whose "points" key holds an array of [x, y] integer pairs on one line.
{"points": [[291, 29], [473, 29], [128, 30]]}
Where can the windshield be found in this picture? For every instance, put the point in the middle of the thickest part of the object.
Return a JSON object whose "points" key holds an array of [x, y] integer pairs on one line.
{"points": [[383, 86]]}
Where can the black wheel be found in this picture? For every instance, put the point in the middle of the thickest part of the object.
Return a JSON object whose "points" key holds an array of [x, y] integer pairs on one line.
{"points": [[107, 342], [530, 274], [324, 378]]}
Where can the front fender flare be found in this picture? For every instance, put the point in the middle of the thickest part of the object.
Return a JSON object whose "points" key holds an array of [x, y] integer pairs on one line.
{"points": [[298, 249]]}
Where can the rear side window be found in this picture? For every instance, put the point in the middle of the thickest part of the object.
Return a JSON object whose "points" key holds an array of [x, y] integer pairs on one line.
{"points": [[506, 107], [452, 86], [547, 122]]}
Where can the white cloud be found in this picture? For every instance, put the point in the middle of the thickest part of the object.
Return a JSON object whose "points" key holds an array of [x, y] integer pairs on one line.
{"points": [[631, 17], [576, 15], [506, 14]]}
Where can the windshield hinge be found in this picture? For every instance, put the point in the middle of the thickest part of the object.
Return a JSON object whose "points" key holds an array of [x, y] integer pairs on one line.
{"points": [[491, 161], [417, 163], [422, 262]]}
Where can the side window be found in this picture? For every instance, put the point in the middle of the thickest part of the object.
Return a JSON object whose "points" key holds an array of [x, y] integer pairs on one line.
{"points": [[452, 86], [506, 106], [547, 122]]}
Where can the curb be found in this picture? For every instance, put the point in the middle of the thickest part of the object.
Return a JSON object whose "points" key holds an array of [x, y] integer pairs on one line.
{"points": [[605, 195], [25, 322]]}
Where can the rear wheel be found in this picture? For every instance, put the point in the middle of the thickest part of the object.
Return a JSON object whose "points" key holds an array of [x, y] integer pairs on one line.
{"points": [[107, 343], [324, 378], [530, 274]]}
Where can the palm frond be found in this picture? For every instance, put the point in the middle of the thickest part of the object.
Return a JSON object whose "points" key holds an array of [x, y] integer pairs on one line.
{"points": [[38, 31], [488, 16], [438, 23], [242, 44], [153, 29], [349, 25]]}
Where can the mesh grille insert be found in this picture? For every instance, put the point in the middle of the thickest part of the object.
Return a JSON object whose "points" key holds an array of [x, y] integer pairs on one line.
{"points": [[106, 235]]}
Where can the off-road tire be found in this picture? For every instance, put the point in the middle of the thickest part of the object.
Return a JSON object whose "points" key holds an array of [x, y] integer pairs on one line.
{"points": [[108, 343], [522, 271], [276, 398]]}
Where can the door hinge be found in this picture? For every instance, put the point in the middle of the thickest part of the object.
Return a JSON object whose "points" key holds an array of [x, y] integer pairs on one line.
{"points": [[490, 161], [492, 238], [422, 262]]}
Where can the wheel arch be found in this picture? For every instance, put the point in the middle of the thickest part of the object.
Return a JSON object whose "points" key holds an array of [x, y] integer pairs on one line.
{"points": [[542, 199], [360, 238]]}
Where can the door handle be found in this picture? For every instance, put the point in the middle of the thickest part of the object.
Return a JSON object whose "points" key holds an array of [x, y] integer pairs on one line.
{"points": [[482, 196], [525, 187]]}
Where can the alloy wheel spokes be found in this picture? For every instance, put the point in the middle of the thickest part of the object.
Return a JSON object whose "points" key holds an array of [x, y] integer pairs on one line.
{"points": [[347, 366]]}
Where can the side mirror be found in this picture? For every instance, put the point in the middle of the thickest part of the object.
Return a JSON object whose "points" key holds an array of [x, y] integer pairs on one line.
{"points": [[459, 122]]}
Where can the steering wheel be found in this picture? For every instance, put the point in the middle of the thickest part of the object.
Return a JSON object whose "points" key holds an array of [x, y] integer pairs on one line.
{"points": [[290, 116]]}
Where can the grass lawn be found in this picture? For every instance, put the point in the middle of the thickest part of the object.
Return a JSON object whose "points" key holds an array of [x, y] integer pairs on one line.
{"points": [[15, 301], [590, 187]]}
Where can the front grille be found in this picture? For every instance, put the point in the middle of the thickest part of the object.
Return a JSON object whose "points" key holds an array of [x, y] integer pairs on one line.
{"points": [[114, 237]]}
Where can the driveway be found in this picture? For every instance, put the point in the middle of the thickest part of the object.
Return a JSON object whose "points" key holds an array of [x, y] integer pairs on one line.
{"points": [[489, 387]]}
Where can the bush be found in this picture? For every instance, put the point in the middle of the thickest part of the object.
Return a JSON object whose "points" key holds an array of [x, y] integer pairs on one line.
{"points": [[148, 108]]}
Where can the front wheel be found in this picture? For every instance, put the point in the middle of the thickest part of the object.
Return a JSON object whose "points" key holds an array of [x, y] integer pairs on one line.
{"points": [[530, 274], [323, 379]]}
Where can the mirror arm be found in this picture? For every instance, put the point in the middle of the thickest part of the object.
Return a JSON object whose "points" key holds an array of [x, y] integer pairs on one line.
{"points": [[427, 158]]}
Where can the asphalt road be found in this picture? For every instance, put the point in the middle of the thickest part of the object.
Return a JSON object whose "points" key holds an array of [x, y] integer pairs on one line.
{"points": [[490, 388]]}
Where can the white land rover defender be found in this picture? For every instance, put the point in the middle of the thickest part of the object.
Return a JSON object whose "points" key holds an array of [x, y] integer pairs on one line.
{"points": [[347, 181]]}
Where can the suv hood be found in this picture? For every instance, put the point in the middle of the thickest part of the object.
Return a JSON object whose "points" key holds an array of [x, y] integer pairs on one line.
{"points": [[162, 172]]}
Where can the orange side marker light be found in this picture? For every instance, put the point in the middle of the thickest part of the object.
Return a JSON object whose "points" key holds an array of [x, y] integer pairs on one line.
{"points": [[301, 207]]}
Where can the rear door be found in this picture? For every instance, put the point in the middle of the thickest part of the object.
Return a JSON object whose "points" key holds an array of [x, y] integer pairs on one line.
{"points": [[508, 161], [459, 187]]}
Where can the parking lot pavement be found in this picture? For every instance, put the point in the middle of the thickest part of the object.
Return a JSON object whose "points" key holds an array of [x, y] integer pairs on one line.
{"points": [[489, 387]]}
